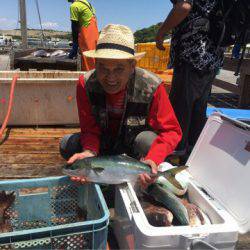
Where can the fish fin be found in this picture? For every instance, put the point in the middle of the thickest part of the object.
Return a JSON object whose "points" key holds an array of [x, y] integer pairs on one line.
{"points": [[127, 156], [174, 171], [173, 181]]}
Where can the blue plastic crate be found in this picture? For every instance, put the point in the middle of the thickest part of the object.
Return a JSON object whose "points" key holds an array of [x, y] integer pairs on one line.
{"points": [[45, 215]]}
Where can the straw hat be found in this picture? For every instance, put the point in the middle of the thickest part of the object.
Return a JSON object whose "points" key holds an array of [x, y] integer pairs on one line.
{"points": [[115, 42]]}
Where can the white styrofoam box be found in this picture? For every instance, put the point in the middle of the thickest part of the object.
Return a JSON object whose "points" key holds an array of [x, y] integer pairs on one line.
{"points": [[219, 157], [220, 162]]}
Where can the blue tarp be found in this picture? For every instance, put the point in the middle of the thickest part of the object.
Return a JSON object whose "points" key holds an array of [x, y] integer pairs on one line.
{"points": [[239, 114]]}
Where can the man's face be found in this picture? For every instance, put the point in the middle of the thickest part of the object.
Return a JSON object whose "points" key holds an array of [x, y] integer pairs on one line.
{"points": [[114, 74]]}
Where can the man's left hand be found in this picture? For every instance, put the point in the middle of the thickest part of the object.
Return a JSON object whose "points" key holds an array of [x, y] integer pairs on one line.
{"points": [[146, 179]]}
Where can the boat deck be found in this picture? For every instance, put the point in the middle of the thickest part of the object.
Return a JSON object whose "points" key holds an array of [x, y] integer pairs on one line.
{"points": [[31, 152]]}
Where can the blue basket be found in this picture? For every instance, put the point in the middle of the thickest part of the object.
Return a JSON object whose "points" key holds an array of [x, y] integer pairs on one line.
{"points": [[45, 215]]}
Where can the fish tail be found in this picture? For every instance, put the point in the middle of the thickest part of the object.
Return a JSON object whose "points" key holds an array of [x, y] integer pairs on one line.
{"points": [[170, 175], [176, 170]]}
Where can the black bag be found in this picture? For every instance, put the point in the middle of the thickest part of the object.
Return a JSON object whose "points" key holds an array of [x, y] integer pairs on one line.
{"points": [[230, 22]]}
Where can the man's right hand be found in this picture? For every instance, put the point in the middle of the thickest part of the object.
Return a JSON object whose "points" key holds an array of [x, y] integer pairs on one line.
{"points": [[79, 156], [159, 40]]}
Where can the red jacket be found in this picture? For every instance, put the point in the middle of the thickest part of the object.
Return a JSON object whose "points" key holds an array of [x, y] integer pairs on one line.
{"points": [[161, 118]]}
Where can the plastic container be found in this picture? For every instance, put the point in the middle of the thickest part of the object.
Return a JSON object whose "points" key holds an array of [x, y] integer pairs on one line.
{"points": [[45, 215], [51, 97], [155, 60], [166, 76], [218, 180]]}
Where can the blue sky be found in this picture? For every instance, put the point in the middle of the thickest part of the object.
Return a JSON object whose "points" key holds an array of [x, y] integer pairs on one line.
{"points": [[136, 14]]}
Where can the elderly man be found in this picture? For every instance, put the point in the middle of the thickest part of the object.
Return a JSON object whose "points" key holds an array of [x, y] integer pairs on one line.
{"points": [[122, 108], [195, 59], [84, 30]]}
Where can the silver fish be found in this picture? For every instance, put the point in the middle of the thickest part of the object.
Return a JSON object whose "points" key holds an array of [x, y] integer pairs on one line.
{"points": [[41, 53], [58, 53], [170, 201], [115, 170]]}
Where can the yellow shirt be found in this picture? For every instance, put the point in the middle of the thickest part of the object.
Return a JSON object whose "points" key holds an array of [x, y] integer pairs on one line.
{"points": [[81, 11]]}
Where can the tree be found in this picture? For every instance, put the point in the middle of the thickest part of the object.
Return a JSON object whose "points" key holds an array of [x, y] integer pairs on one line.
{"points": [[147, 34]]}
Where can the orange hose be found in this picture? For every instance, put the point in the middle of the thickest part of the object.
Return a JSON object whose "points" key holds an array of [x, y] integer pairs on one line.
{"points": [[4, 124]]}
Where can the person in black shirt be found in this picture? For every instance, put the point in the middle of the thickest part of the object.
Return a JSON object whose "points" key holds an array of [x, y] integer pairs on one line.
{"points": [[195, 59]]}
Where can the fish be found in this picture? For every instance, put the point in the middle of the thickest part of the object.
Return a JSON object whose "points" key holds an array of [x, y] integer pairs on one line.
{"points": [[196, 216], [6, 200], [180, 177], [164, 182], [115, 169], [58, 53], [157, 216], [170, 201], [206, 218], [41, 53]]}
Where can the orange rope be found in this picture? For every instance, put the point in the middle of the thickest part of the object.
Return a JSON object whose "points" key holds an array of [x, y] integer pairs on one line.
{"points": [[4, 124]]}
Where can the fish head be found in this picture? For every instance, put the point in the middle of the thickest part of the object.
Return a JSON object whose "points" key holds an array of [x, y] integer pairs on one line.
{"points": [[78, 168]]}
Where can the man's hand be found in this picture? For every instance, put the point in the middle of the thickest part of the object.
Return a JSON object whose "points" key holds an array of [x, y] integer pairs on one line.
{"points": [[79, 156], [73, 51], [179, 12], [159, 40], [145, 178]]}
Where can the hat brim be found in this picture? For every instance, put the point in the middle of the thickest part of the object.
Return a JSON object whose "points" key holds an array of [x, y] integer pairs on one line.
{"points": [[112, 54]]}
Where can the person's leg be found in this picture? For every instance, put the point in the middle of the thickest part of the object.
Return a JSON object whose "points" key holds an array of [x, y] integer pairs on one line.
{"points": [[87, 40], [69, 145], [181, 97], [202, 85]]}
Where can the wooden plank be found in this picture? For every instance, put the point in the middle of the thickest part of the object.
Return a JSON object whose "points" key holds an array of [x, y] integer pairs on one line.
{"points": [[226, 85], [55, 75], [32, 153], [33, 140], [16, 171], [231, 64], [244, 100], [29, 148], [31, 159], [42, 132], [33, 135]]}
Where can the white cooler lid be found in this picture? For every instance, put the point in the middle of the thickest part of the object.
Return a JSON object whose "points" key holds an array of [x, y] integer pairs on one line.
{"points": [[220, 163]]}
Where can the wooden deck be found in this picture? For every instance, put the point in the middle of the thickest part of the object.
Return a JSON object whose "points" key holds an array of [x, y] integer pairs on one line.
{"points": [[34, 152], [31, 152]]}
